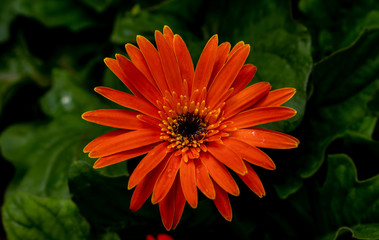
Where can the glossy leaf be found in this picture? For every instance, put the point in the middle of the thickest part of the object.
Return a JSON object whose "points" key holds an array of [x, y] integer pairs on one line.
{"points": [[27, 216]]}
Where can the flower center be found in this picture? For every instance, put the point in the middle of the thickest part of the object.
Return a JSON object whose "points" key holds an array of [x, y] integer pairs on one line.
{"points": [[188, 124], [190, 127]]}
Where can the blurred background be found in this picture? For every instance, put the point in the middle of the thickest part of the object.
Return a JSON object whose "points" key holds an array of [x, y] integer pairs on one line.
{"points": [[51, 58]]}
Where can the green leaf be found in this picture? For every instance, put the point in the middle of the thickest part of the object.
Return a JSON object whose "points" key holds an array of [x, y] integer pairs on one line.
{"points": [[280, 47], [98, 5], [342, 203], [345, 107], [26, 216], [347, 71], [93, 194], [336, 24], [338, 105], [360, 231], [7, 14], [373, 104], [66, 97], [144, 21], [56, 13], [42, 153], [17, 68]]}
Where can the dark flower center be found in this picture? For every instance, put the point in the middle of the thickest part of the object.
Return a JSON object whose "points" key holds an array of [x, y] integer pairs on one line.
{"points": [[189, 126]]}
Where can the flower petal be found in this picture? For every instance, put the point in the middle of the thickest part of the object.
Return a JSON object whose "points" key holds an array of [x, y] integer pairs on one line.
{"points": [[139, 61], [166, 179], [252, 180], [265, 138], [220, 174], [121, 156], [172, 206], [168, 35], [226, 76], [250, 153], [169, 64], [184, 60], [113, 65], [139, 81], [222, 54], [154, 62], [129, 101], [257, 116], [180, 202], [148, 163], [103, 138], [276, 97], [235, 48], [167, 209], [188, 182], [243, 78], [203, 181], [126, 141], [205, 64], [225, 155], [115, 118], [222, 203], [245, 98], [145, 187]]}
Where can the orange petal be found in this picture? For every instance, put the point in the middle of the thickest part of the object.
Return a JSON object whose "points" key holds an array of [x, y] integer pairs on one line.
{"points": [[245, 98], [148, 163], [138, 80], [167, 209], [276, 97], [168, 35], [203, 181], [126, 141], [104, 138], [250, 153], [205, 64], [180, 202], [169, 64], [220, 174], [266, 138], [225, 155], [243, 78], [226, 76], [166, 179], [121, 156], [188, 182], [139, 61], [115, 118], [154, 62], [145, 187], [222, 203], [113, 65], [153, 122], [235, 48], [184, 60], [172, 206], [252, 180], [257, 116], [222, 54], [129, 101]]}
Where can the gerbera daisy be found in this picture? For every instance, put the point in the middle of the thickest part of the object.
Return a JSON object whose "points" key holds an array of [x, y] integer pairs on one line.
{"points": [[194, 125]]}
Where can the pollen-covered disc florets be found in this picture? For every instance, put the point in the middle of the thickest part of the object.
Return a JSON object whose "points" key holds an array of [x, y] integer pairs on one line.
{"points": [[188, 125]]}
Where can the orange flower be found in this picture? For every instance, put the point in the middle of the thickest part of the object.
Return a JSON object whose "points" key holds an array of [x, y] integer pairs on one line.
{"points": [[193, 124]]}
